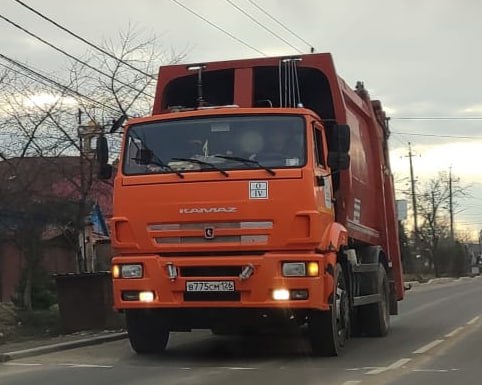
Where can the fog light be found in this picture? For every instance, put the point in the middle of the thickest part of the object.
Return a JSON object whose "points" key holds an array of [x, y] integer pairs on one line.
{"points": [[130, 296], [312, 269], [281, 294], [146, 296], [115, 271], [299, 294]]}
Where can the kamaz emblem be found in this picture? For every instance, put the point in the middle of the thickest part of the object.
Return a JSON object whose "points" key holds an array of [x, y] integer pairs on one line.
{"points": [[209, 232]]}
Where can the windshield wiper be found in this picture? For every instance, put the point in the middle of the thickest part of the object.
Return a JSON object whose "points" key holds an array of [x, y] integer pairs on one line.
{"points": [[155, 158], [160, 163], [246, 161], [201, 162]]}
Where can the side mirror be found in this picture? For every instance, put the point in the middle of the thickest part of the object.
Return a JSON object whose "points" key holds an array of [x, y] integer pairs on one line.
{"points": [[105, 171], [340, 138], [339, 147], [102, 150], [102, 155], [338, 161]]}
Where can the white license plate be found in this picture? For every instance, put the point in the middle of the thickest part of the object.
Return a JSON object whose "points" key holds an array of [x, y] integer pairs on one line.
{"points": [[199, 286]]}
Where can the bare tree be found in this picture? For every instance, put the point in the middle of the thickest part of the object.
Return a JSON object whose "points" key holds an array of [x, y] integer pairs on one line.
{"points": [[40, 119], [433, 209]]}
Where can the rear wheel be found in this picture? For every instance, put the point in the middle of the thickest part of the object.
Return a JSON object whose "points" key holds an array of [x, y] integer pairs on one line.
{"points": [[147, 333], [375, 318], [329, 330]]}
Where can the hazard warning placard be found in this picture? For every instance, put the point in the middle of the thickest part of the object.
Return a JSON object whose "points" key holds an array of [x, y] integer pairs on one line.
{"points": [[258, 190]]}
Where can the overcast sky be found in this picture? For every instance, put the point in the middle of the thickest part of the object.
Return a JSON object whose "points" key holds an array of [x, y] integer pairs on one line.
{"points": [[422, 58]]}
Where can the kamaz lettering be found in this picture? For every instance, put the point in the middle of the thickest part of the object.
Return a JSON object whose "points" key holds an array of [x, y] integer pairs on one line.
{"points": [[208, 210]]}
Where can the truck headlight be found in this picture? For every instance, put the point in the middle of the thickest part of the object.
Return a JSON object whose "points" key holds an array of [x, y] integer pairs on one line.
{"points": [[300, 269], [294, 269], [131, 271]]}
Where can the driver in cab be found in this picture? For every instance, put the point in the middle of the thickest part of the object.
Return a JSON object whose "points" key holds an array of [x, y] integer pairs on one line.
{"points": [[276, 148]]}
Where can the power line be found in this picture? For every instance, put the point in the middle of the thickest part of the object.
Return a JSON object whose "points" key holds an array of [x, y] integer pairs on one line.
{"points": [[435, 135], [37, 76], [60, 87], [280, 23], [23, 74], [437, 118], [82, 39], [218, 27], [70, 56], [398, 140], [254, 20]]}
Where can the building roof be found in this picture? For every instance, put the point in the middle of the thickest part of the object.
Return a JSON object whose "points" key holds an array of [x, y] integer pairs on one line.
{"points": [[45, 178]]}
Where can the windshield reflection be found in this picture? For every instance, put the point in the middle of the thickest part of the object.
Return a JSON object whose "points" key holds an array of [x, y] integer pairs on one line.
{"points": [[220, 143]]}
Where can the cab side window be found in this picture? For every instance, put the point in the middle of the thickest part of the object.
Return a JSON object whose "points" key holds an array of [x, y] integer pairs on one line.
{"points": [[319, 155]]}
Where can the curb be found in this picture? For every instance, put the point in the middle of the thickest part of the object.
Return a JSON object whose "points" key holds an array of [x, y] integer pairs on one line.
{"points": [[440, 280], [4, 357], [413, 283], [464, 279]]}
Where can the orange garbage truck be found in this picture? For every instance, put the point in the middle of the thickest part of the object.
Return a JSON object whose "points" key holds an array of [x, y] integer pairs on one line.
{"points": [[258, 194]]}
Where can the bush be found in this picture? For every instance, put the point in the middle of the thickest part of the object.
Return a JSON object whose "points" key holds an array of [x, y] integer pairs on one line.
{"points": [[451, 259], [44, 293]]}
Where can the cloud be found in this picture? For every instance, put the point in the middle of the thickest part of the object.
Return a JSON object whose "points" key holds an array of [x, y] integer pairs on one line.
{"points": [[418, 58]]}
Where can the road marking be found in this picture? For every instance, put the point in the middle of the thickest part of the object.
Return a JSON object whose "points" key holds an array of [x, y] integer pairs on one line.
{"points": [[473, 320], [20, 364], [427, 347], [454, 332], [351, 382], [434, 370], [395, 365], [86, 366]]}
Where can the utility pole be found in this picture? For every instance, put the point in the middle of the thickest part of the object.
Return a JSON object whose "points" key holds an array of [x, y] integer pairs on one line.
{"points": [[414, 197], [451, 205], [81, 260], [87, 134]]}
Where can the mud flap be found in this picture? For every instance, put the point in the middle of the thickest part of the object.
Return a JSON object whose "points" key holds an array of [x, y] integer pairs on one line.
{"points": [[393, 299]]}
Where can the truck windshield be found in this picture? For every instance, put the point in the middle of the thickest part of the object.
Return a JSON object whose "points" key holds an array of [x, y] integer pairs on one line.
{"points": [[215, 143]]}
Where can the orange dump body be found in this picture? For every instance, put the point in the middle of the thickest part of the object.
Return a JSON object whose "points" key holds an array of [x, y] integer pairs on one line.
{"points": [[206, 226]]}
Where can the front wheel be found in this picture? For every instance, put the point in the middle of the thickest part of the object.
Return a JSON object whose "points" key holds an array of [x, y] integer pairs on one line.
{"points": [[329, 330], [147, 332]]}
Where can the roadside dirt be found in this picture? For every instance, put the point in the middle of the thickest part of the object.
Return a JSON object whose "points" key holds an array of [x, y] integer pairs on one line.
{"points": [[16, 325]]}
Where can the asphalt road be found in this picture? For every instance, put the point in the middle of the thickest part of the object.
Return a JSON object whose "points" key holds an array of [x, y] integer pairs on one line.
{"points": [[436, 339]]}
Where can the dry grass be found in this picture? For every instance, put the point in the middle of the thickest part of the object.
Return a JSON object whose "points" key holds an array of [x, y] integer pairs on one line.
{"points": [[17, 325]]}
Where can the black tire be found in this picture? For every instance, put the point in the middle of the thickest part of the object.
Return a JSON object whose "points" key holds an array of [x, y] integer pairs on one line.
{"points": [[375, 318], [329, 330], [146, 331]]}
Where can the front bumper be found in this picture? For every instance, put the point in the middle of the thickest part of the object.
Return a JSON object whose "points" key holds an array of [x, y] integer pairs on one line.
{"points": [[253, 292]]}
